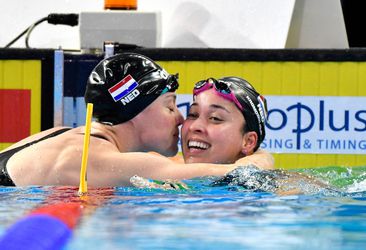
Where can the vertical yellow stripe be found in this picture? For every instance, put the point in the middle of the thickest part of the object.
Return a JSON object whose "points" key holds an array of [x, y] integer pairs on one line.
{"points": [[196, 71], [253, 73], [234, 69], [291, 78], [308, 160], [329, 79], [287, 161], [2, 82], [32, 79], [326, 160], [272, 78], [361, 86], [348, 79], [214, 69], [13, 72], [345, 160], [361, 160], [309, 80]]}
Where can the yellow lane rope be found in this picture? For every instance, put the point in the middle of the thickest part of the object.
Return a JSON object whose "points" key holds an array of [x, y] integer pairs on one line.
{"points": [[83, 187]]}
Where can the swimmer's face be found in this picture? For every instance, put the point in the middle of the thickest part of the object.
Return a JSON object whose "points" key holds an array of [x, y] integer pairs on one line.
{"points": [[213, 130], [159, 125]]}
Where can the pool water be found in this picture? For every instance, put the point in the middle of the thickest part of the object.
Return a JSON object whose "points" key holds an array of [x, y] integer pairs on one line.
{"points": [[205, 217]]}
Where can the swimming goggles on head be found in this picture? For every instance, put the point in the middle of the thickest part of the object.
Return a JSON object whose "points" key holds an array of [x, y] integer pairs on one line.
{"points": [[222, 89], [158, 83], [172, 84]]}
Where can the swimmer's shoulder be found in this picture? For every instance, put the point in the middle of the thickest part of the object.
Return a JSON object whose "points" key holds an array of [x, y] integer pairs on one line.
{"points": [[36, 137]]}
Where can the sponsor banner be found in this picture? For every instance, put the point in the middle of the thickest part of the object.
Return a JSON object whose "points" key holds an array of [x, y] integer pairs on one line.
{"points": [[311, 124]]}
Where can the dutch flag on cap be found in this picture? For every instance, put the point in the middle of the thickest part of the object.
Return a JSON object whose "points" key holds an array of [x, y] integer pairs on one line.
{"points": [[123, 88]]}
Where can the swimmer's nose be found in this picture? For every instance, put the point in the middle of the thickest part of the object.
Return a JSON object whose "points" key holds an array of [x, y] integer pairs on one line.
{"points": [[198, 125]]}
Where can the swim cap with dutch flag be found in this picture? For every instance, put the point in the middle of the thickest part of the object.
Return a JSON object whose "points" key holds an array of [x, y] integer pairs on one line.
{"points": [[122, 86]]}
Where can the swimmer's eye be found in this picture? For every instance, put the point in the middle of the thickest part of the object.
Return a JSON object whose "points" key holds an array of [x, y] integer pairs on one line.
{"points": [[171, 107], [192, 115], [216, 119]]}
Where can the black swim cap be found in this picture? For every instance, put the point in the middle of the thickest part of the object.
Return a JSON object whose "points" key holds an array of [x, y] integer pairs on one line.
{"points": [[254, 105], [121, 86]]}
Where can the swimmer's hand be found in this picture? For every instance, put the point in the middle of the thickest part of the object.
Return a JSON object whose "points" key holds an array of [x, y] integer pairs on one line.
{"points": [[277, 181], [141, 182], [249, 177]]}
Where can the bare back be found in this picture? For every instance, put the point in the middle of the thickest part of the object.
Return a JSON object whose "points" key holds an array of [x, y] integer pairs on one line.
{"points": [[55, 160]]}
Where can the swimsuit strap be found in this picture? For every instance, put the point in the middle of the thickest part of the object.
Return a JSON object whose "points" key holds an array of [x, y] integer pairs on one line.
{"points": [[5, 156]]}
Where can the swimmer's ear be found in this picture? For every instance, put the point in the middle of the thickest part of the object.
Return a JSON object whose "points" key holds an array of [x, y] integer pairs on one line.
{"points": [[249, 142]]}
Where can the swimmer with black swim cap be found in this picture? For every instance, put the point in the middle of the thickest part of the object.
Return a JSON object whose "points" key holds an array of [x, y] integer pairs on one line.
{"points": [[121, 86]]}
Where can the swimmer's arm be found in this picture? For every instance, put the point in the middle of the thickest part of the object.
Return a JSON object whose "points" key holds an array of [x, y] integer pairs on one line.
{"points": [[177, 158], [260, 158], [122, 166]]}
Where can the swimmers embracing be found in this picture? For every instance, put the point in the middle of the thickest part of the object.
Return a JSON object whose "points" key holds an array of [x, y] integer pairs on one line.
{"points": [[135, 113]]}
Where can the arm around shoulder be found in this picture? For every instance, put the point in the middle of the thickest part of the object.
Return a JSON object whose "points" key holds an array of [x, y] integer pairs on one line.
{"points": [[116, 169], [260, 158]]}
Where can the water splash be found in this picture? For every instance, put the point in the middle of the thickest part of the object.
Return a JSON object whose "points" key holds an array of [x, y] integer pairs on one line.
{"points": [[345, 179], [278, 181]]}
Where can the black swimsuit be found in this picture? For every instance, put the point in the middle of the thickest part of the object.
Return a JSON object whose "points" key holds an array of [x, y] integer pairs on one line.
{"points": [[5, 179]]}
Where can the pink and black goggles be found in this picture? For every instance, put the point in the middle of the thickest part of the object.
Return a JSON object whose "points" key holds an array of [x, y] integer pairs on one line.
{"points": [[222, 89]]}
